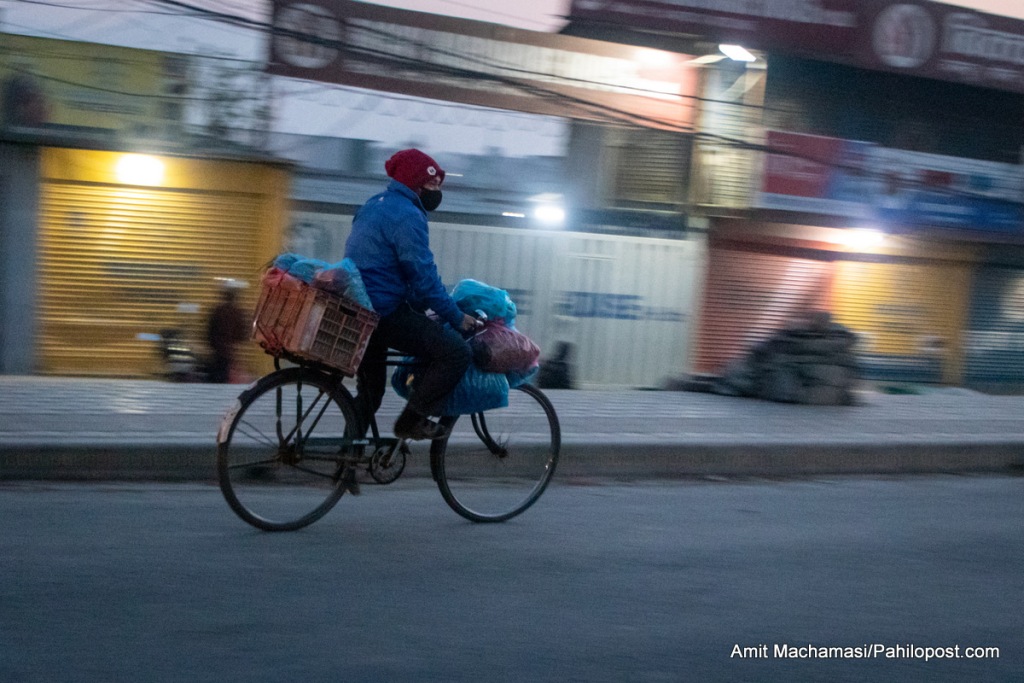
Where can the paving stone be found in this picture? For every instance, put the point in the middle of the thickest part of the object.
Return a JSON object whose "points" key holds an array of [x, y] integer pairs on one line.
{"points": [[634, 430]]}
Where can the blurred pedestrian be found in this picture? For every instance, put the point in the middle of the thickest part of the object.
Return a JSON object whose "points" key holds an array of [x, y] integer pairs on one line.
{"points": [[225, 329]]}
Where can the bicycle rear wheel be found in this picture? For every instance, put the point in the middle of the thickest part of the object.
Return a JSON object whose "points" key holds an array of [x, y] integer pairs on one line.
{"points": [[503, 466], [283, 447]]}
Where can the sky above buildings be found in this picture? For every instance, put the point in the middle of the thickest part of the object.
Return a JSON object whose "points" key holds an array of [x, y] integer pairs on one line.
{"points": [[1009, 8], [545, 15], [143, 23]]}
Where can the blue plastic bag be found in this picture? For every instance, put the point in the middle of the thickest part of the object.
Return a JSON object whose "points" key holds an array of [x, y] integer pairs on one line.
{"points": [[285, 261], [476, 392], [298, 266], [516, 379], [306, 268], [343, 278], [472, 296]]}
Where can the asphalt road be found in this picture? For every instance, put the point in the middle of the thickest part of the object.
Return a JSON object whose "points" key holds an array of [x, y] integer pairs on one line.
{"points": [[616, 582]]}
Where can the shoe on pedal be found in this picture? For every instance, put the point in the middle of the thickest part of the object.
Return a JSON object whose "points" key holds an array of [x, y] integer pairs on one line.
{"points": [[412, 426], [348, 481]]}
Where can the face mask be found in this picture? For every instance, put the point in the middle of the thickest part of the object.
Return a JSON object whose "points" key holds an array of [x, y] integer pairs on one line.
{"points": [[431, 199]]}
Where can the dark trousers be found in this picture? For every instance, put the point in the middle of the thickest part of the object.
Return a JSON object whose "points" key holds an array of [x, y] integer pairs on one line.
{"points": [[444, 353], [220, 369]]}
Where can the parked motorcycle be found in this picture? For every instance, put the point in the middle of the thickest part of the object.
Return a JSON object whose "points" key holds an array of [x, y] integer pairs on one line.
{"points": [[181, 364]]}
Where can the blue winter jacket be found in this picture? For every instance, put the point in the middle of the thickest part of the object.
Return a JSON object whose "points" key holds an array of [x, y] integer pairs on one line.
{"points": [[390, 246]]}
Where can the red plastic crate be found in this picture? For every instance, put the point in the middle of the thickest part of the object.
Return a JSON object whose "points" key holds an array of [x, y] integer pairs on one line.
{"points": [[293, 318]]}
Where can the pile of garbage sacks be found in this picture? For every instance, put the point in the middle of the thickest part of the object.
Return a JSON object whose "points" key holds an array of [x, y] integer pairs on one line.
{"points": [[812, 361], [503, 357]]}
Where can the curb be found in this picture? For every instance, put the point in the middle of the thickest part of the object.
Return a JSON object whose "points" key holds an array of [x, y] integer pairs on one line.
{"points": [[579, 460]]}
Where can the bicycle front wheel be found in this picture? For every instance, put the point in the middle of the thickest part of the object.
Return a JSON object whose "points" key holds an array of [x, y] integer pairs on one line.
{"points": [[501, 467], [283, 447]]}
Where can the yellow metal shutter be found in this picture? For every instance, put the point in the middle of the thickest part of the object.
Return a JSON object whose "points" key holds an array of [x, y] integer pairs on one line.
{"points": [[910, 316], [117, 261]]}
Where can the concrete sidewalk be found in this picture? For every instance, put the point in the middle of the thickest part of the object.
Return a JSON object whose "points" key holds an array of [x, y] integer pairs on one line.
{"points": [[64, 428]]}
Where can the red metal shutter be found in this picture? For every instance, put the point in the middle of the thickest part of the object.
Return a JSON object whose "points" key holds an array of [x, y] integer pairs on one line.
{"points": [[749, 294]]}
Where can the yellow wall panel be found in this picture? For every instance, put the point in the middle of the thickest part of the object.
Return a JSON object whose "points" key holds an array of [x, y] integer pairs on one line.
{"points": [[93, 85]]}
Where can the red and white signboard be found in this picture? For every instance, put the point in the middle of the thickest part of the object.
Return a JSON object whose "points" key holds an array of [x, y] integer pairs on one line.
{"points": [[818, 174]]}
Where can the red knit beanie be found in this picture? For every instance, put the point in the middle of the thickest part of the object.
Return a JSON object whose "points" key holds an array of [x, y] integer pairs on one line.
{"points": [[413, 168]]}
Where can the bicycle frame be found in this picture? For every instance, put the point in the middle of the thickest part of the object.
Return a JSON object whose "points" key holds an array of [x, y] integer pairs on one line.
{"points": [[384, 448]]}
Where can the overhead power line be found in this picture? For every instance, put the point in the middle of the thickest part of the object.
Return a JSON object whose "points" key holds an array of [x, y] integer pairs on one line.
{"points": [[488, 67], [582, 105], [114, 91], [578, 104], [122, 7]]}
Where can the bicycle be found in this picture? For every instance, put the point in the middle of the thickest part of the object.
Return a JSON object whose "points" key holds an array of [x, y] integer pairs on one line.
{"points": [[294, 443]]}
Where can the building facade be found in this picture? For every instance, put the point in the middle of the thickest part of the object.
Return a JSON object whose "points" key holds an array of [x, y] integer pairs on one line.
{"points": [[115, 222], [866, 162]]}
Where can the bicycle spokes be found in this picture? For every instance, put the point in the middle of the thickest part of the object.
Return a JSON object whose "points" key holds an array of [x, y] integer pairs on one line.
{"points": [[502, 466], [291, 438]]}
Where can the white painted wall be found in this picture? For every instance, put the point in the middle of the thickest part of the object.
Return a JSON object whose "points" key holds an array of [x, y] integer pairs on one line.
{"points": [[627, 304]]}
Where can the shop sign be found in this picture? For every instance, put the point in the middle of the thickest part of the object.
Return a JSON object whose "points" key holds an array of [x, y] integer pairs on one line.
{"points": [[948, 192], [829, 176], [817, 174], [458, 60], [919, 38], [50, 83]]}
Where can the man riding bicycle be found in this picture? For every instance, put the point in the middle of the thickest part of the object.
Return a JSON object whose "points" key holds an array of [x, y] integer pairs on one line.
{"points": [[390, 246]]}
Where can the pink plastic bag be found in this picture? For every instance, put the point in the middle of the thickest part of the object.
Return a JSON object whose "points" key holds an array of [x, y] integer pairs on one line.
{"points": [[275, 277], [497, 348]]}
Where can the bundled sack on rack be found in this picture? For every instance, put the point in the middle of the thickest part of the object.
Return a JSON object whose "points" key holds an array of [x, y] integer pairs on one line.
{"points": [[299, 266], [343, 278], [516, 379], [499, 348], [472, 296], [476, 392]]}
